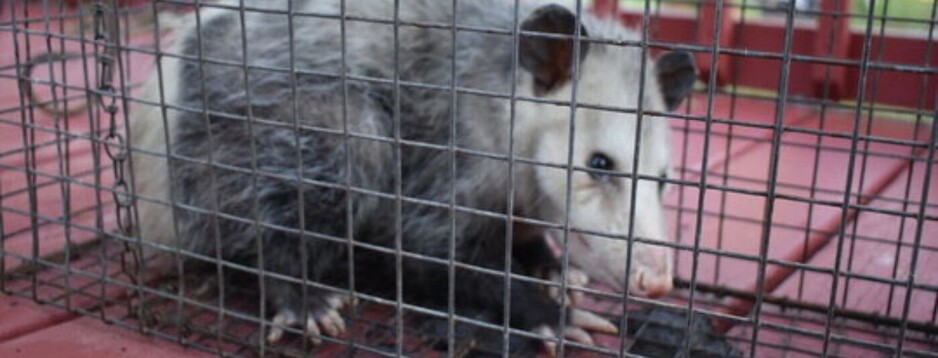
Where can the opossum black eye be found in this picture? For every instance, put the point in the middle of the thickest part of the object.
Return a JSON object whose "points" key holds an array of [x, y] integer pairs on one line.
{"points": [[600, 161], [661, 183]]}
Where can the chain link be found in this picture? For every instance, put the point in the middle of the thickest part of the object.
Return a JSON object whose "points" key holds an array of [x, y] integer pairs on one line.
{"points": [[115, 145]]}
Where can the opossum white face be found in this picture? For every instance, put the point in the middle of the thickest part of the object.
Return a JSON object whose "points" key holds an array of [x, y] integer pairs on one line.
{"points": [[605, 142]]}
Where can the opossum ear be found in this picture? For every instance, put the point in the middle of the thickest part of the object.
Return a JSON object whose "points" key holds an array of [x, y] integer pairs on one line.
{"points": [[676, 75], [550, 60]]}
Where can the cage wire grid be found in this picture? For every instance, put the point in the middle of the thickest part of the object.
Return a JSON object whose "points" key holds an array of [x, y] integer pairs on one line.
{"points": [[65, 215]]}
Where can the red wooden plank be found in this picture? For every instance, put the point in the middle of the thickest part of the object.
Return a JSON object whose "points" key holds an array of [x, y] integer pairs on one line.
{"points": [[22, 317], [744, 112], [52, 235], [713, 15], [744, 212], [89, 337], [80, 182], [840, 121], [833, 31], [766, 73], [84, 283], [877, 259], [800, 334], [673, 27], [901, 88]]}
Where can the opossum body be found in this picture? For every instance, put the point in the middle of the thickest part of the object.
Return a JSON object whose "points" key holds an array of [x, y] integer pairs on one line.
{"points": [[262, 150]]}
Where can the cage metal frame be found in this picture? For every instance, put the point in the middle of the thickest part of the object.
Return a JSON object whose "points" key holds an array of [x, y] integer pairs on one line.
{"points": [[847, 206]]}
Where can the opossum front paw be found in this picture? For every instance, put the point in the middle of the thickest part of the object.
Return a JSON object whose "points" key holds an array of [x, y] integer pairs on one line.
{"points": [[321, 318], [576, 278], [578, 323]]}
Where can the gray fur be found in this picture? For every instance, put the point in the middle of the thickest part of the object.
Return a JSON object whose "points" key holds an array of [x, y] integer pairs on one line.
{"points": [[424, 114], [251, 130]]}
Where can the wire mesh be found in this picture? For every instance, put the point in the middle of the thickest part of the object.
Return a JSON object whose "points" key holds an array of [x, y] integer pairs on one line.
{"points": [[801, 212]]}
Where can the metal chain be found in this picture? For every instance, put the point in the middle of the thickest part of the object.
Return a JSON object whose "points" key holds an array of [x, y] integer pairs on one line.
{"points": [[115, 146]]}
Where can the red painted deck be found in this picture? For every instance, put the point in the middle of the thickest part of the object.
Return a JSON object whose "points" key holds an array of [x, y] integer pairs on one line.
{"points": [[803, 236]]}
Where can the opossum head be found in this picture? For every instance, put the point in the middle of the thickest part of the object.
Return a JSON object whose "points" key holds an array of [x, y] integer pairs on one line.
{"points": [[610, 150]]}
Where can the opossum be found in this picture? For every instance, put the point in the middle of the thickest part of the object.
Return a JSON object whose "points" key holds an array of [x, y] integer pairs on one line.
{"points": [[294, 133]]}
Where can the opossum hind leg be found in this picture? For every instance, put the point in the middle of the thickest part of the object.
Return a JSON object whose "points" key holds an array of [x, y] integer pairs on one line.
{"points": [[318, 315]]}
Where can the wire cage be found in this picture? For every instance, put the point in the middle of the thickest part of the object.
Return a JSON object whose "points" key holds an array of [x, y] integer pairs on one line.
{"points": [[800, 209]]}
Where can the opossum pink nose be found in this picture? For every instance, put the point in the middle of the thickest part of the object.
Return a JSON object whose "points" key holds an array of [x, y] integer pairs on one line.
{"points": [[654, 278], [653, 284]]}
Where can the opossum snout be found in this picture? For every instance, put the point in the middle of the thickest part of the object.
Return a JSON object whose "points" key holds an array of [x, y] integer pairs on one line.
{"points": [[652, 275], [650, 271]]}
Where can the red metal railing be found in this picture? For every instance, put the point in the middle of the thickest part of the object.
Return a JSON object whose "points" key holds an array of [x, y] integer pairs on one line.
{"points": [[826, 56]]}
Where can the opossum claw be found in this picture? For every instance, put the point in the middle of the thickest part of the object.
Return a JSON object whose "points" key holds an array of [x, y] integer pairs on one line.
{"points": [[577, 334], [575, 278], [331, 322], [312, 330], [578, 322], [337, 301], [281, 320], [322, 317], [339, 321], [549, 346], [327, 319], [590, 321]]}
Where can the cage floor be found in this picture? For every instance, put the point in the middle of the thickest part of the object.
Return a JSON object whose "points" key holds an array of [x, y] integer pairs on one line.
{"points": [[30, 329], [792, 321]]}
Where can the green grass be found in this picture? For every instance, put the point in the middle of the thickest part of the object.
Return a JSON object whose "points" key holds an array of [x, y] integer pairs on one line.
{"points": [[920, 9], [894, 9], [905, 9]]}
